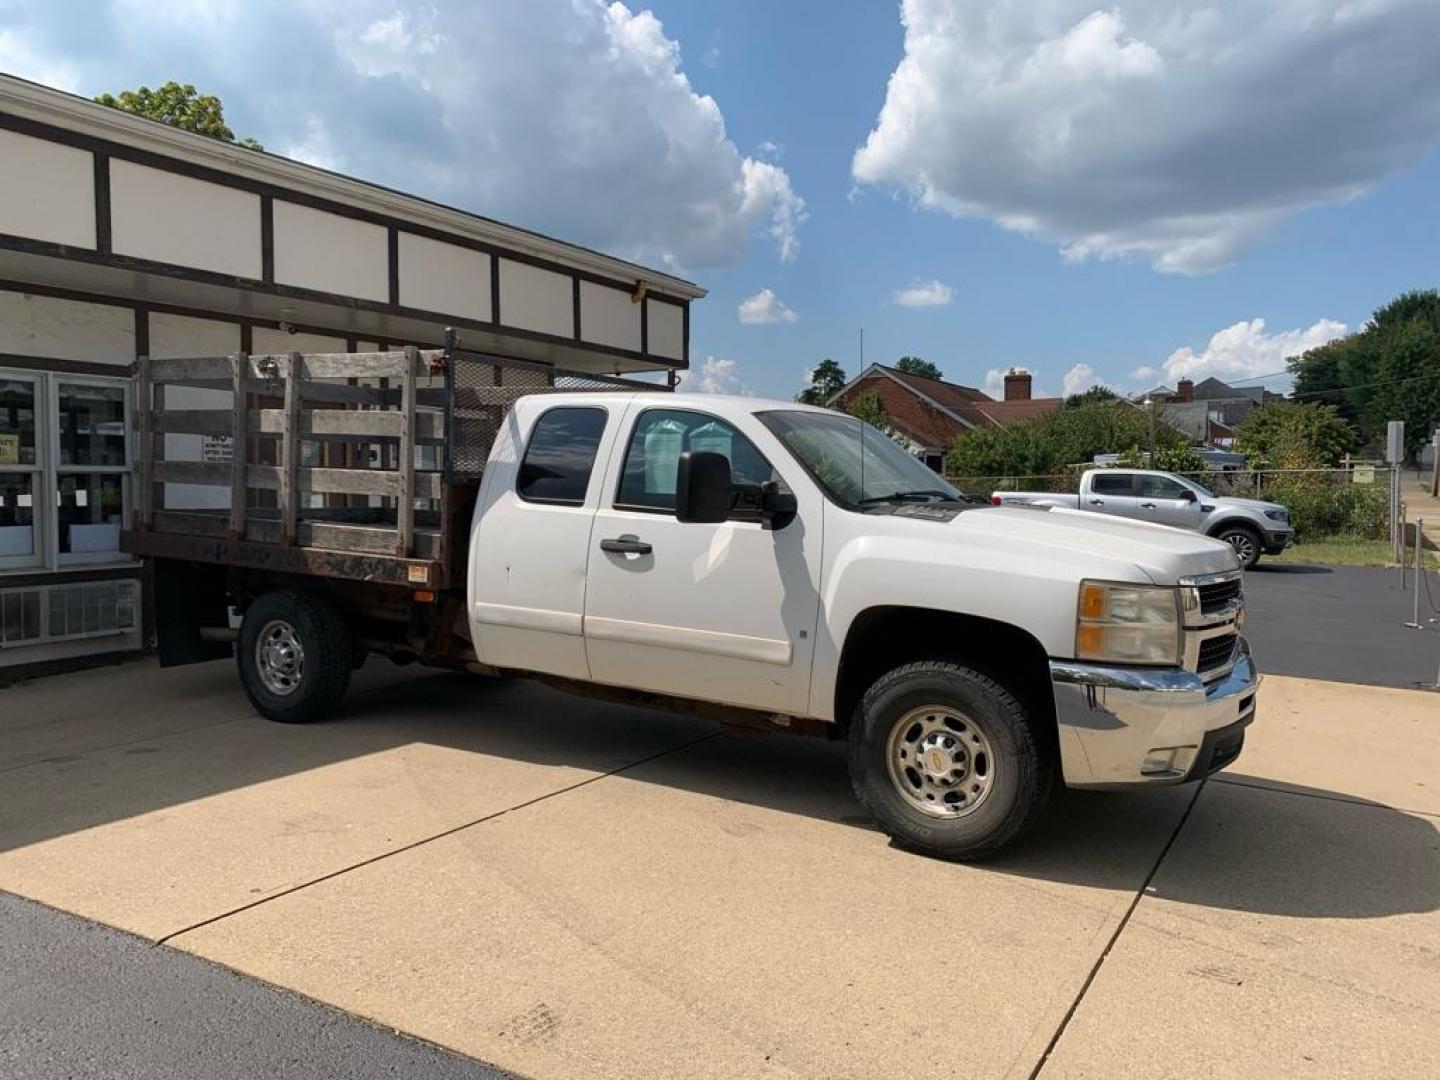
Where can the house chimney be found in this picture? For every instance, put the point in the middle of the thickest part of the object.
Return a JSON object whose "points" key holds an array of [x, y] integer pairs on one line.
{"points": [[1017, 384], [1185, 390]]}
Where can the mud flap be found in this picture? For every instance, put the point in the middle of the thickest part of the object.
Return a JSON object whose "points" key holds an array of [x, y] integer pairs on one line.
{"points": [[188, 596]]}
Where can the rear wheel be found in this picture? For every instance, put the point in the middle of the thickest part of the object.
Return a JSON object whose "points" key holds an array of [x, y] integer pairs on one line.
{"points": [[295, 656], [1245, 541], [948, 761]]}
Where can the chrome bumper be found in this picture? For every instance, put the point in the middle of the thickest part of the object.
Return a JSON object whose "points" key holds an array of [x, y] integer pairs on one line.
{"points": [[1125, 725]]}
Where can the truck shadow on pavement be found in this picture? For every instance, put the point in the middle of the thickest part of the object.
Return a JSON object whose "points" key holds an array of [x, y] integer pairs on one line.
{"points": [[1247, 844]]}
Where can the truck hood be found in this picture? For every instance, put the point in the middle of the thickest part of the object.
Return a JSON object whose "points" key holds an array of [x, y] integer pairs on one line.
{"points": [[1163, 554], [1230, 502]]}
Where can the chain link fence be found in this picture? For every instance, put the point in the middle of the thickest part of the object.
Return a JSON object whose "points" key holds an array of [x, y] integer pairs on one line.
{"points": [[1353, 503]]}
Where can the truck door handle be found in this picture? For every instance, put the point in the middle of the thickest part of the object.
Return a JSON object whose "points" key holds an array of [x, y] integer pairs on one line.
{"points": [[1097, 502], [1147, 506], [626, 545]]}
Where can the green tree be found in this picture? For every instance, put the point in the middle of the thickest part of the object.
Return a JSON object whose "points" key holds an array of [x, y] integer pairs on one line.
{"points": [[1090, 396], [1389, 370], [827, 379], [1180, 459], [913, 365], [1294, 435], [180, 106], [869, 408], [1069, 437]]}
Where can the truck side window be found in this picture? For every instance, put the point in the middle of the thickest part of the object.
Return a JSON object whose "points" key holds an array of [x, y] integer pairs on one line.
{"points": [[1160, 487], [557, 463], [653, 458], [1108, 483]]}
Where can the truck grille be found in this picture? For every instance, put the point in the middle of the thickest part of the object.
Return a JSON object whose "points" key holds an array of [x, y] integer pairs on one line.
{"points": [[1215, 653], [1215, 595]]}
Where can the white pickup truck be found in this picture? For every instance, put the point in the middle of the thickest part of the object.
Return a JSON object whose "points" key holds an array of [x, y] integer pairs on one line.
{"points": [[779, 566], [1250, 526]]}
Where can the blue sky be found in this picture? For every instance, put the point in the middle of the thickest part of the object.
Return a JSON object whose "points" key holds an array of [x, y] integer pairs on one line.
{"points": [[1095, 189]]}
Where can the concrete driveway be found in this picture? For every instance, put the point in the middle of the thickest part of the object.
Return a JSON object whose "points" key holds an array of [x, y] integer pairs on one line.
{"points": [[569, 889]]}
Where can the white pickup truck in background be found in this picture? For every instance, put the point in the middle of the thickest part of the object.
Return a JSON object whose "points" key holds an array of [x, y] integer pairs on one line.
{"points": [[762, 562], [1250, 526]]}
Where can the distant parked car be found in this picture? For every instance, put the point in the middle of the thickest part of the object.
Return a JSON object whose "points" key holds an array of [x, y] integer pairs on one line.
{"points": [[1250, 526]]}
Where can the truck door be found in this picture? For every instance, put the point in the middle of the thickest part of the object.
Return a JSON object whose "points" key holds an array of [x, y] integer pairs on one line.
{"points": [[716, 612], [1168, 501], [530, 544], [1111, 492]]}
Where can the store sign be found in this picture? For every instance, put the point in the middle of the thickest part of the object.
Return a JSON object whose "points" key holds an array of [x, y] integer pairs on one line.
{"points": [[9, 449]]}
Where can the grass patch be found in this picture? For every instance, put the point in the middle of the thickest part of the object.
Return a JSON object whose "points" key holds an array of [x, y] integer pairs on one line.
{"points": [[1345, 551]]}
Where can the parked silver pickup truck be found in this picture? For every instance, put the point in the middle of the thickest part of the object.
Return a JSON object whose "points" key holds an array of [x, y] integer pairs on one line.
{"points": [[1250, 526]]}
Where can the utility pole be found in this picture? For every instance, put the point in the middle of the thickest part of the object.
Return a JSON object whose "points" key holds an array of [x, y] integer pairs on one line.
{"points": [[1150, 408], [1435, 463]]}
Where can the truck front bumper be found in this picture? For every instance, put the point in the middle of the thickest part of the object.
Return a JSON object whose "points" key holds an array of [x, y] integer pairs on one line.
{"points": [[1277, 540], [1121, 726]]}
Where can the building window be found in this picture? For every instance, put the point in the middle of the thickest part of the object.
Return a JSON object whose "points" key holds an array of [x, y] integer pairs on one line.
{"points": [[65, 465], [21, 476]]}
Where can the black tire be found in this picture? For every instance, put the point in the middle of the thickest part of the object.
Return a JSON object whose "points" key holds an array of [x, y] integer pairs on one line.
{"points": [[326, 657], [1246, 542], [1020, 772]]}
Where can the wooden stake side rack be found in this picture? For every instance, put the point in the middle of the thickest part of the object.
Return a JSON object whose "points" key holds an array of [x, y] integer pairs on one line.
{"points": [[322, 472]]}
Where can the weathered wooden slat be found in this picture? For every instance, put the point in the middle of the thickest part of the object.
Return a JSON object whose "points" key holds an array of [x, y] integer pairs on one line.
{"points": [[384, 482], [327, 422], [147, 443], [239, 418], [190, 472], [290, 451], [184, 369], [367, 365], [335, 424], [195, 421], [332, 393], [405, 506]]}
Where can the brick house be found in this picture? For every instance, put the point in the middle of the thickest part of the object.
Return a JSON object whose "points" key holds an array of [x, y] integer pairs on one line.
{"points": [[929, 413]]}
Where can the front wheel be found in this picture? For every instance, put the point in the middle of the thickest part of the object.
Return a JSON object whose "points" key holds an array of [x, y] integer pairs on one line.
{"points": [[295, 656], [948, 760], [1245, 541]]}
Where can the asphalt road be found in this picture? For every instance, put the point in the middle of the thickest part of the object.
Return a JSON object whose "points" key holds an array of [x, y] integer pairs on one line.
{"points": [[81, 1001], [1342, 623]]}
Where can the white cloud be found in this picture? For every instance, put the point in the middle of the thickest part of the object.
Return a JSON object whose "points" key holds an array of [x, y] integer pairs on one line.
{"points": [[1176, 132], [1078, 379], [764, 307], [715, 375], [1244, 350], [574, 117], [924, 294], [994, 384], [19, 57]]}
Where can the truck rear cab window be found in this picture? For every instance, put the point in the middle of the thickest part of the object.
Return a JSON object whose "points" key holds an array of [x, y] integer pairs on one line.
{"points": [[653, 459], [557, 464], [1105, 483]]}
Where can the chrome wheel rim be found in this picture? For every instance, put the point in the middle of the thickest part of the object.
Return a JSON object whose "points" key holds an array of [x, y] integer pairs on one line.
{"points": [[279, 658], [1244, 546], [940, 761]]}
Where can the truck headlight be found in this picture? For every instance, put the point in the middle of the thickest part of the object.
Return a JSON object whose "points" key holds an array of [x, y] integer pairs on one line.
{"points": [[1128, 624], [1278, 515]]}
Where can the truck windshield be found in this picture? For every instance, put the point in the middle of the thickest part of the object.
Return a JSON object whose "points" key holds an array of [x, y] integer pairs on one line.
{"points": [[857, 465]]}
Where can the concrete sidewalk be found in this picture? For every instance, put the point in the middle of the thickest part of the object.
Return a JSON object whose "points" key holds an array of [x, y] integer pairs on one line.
{"points": [[570, 889]]}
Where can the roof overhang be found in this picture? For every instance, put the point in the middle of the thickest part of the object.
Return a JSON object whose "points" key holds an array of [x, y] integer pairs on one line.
{"points": [[57, 108]]}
